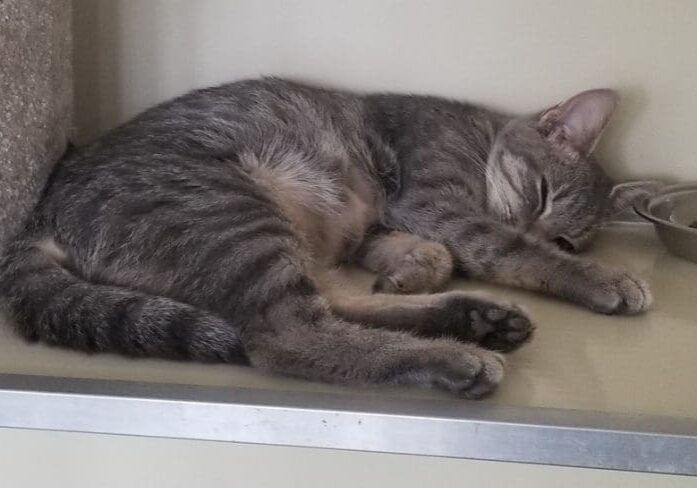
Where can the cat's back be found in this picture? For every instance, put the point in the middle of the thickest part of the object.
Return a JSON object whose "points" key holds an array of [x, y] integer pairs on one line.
{"points": [[211, 128], [268, 140], [228, 116]]}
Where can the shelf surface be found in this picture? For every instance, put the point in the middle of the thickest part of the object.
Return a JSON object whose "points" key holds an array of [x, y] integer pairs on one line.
{"points": [[589, 390]]}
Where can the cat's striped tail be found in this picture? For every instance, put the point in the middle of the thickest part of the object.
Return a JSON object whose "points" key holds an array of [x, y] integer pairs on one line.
{"points": [[49, 302]]}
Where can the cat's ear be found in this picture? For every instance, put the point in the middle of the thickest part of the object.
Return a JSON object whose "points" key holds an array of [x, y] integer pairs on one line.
{"points": [[625, 195], [577, 123]]}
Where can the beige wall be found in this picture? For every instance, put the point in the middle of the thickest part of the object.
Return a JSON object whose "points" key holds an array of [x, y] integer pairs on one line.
{"points": [[31, 459], [520, 55]]}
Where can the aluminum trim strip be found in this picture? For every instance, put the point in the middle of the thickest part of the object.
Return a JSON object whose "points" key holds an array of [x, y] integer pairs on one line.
{"points": [[457, 429]]}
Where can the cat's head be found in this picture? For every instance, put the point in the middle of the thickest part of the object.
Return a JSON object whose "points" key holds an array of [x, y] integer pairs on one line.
{"points": [[542, 177]]}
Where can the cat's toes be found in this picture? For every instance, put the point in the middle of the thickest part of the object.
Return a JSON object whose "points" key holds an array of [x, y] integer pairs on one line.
{"points": [[392, 285], [509, 332], [635, 295], [411, 279], [492, 323], [617, 292], [424, 269], [475, 374]]}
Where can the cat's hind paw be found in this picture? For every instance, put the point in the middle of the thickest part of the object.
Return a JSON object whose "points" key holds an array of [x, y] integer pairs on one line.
{"points": [[488, 321], [476, 373]]}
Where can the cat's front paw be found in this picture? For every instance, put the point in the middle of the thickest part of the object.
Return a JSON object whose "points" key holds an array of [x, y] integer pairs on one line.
{"points": [[491, 322], [608, 290], [424, 269]]}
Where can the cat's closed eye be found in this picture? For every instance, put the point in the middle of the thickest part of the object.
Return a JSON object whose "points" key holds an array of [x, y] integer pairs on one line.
{"points": [[542, 197], [564, 244]]}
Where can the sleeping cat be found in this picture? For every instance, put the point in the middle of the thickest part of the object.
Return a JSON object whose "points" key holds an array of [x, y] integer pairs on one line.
{"points": [[204, 228]]}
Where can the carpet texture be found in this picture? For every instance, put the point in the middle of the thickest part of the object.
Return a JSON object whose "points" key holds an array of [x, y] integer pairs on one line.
{"points": [[35, 101]]}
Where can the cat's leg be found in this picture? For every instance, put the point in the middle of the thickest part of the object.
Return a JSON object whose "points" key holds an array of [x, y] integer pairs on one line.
{"points": [[288, 327], [499, 253], [298, 335], [466, 316], [405, 263], [277, 320], [244, 263], [48, 301]]}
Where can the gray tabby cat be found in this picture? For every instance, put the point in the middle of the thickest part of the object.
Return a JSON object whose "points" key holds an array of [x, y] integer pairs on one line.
{"points": [[202, 228]]}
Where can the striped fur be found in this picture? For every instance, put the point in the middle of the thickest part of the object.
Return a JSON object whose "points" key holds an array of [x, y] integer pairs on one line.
{"points": [[198, 230]]}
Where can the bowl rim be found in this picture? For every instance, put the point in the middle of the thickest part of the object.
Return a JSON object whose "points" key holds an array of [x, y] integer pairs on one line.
{"points": [[642, 207]]}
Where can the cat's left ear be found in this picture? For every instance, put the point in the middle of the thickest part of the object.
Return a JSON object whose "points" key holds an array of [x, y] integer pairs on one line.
{"points": [[625, 195], [577, 124]]}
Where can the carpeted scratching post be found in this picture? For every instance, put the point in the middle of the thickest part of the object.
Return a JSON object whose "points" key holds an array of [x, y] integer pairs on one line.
{"points": [[35, 101]]}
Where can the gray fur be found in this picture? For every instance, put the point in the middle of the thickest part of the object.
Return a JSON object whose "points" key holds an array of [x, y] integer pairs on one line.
{"points": [[199, 230]]}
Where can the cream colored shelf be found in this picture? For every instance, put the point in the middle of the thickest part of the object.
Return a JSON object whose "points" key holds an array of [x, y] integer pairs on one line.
{"points": [[577, 360], [595, 380]]}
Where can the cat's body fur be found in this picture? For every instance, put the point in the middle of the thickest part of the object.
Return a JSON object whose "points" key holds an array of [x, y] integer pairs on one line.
{"points": [[203, 228]]}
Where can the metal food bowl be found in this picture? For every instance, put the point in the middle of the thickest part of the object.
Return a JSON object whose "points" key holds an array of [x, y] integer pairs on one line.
{"points": [[672, 211]]}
